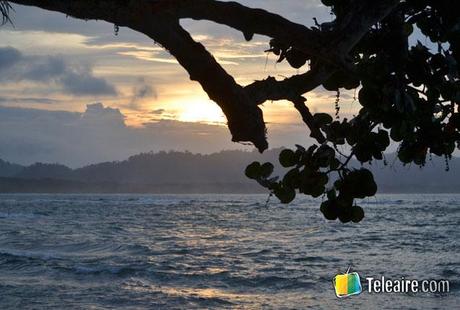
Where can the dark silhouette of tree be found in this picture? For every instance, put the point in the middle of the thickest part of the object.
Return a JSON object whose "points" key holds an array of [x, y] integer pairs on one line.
{"points": [[5, 7], [408, 93]]}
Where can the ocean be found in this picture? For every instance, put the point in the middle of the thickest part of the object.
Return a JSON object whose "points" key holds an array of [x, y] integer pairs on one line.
{"points": [[220, 252]]}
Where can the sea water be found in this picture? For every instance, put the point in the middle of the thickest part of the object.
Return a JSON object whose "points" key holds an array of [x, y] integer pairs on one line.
{"points": [[220, 252]]}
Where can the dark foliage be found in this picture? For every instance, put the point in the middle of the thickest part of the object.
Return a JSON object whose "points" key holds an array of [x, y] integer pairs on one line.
{"points": [[5, 8], [410, 94]]}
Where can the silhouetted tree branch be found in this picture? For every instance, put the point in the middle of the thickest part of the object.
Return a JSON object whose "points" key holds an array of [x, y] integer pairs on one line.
{"points": [[5, 8], [158, 19]]}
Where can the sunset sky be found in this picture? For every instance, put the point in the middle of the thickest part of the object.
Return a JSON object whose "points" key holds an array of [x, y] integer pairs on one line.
{"points": [[74, 92]]}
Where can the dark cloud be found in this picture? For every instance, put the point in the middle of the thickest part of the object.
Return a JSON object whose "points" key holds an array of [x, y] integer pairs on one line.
{"points": [[74, 79], [42, 68], [143, 89], [158, 111], [8, 57], [84, 83], [28, 100], [100, 134]]}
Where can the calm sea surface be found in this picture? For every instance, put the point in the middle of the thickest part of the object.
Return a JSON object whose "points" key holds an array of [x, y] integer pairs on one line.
{"points": [[219, 252]]}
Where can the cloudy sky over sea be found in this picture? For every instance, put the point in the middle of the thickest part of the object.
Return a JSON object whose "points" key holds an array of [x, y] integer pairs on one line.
{"points": [[121, 94]]}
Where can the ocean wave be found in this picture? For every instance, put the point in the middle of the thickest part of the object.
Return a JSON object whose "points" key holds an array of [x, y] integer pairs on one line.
{"points": [[312, 259], [20, 260], [111, 270], [211, 252], [183, 297], [24, 254], [268, 281], [16, 216]]}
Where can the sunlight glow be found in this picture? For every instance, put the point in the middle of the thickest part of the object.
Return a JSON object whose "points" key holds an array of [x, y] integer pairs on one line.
{"points": [[201, 111]]}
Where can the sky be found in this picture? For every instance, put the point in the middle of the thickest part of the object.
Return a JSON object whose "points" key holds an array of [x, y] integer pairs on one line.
{"points": [[73, 92]]}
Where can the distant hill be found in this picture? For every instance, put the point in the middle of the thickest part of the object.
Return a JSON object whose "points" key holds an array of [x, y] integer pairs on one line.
{"points": [[45, 171], [8, 169], [184, 172]]}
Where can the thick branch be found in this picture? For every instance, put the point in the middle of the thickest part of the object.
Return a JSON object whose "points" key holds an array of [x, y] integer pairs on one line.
{"points": [[289, 88], [349, 31], [331, 47], [245, 119], [307, 117], [159, 20], [250, 21]]}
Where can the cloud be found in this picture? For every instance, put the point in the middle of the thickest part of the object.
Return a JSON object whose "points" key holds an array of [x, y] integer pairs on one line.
{"points": [[96, 115], [100, 134], [145, 90], [73, 79], [158, 115], [28, 100], [158, 112], [8, 57], [84, 83], [40, 69], [142, 89], [150, 56]]}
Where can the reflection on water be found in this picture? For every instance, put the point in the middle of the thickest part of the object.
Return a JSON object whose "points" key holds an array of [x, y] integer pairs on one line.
{"points": [[218, 251]]}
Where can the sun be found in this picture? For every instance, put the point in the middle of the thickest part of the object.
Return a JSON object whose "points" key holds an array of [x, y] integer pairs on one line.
{"points": [[201, 111]]}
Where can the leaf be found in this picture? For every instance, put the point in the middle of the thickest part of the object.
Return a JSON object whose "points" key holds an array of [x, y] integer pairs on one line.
{"points": [[317, 190], [253, 170], [407, 29], [329, 210], [300, 148], [359, 184], [383, 141], [331, 194], [292, 178], [333, 83], [345, 215], [324, 155], [396, 133], [335, 163], [357, 214], [368, 97], [328, 2], [284, 194], [296, 58], [266, 170], [248, 36], [287, 158], [322, 119]]}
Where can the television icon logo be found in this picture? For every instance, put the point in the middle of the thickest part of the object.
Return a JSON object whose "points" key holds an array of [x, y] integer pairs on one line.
{"points": [[347, 284]]}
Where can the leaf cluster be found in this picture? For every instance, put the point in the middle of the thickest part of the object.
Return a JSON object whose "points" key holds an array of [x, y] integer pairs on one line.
{"points": [[408, 93]]}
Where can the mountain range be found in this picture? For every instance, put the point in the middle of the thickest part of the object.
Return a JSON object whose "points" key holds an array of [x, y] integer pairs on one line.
{"points": [[185, 172]]}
